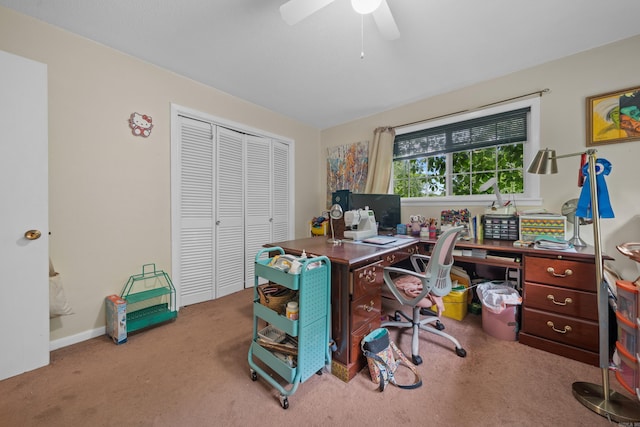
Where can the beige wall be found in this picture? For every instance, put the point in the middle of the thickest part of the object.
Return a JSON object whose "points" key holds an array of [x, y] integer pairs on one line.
{"points": [[109, 190], [570, 80]]}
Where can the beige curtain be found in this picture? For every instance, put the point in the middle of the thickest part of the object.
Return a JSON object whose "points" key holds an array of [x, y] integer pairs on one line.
{"points": [[380, 160]]}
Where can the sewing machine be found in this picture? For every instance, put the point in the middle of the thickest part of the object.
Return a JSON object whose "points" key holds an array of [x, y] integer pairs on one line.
{"points": [[362, 223]]}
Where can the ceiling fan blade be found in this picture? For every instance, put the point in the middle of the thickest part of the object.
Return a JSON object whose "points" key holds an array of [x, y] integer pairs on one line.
{"points": [[295, 11], [386, 24]]}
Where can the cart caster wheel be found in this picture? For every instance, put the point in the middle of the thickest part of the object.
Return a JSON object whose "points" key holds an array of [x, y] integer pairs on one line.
{"points": [[319, 372], [254, 375], [417, 360], [439, 325], [284, 402], [461, 352]]}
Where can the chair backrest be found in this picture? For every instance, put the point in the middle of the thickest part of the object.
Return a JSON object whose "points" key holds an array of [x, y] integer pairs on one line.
{"points": [[438, 268]]}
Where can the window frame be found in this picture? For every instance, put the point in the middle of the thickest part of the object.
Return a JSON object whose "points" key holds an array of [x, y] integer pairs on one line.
{"points": [[531, 195]]}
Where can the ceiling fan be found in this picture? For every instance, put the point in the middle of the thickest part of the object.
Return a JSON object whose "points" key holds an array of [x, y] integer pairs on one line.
{"points": [[295, 11]]}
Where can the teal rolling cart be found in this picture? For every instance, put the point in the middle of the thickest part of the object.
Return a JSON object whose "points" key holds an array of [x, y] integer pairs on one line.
{"points": [[311, 330]]}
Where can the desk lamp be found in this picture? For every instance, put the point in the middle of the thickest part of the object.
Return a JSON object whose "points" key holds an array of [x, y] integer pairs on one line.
{"points": [[334, 213], [599, 399]]}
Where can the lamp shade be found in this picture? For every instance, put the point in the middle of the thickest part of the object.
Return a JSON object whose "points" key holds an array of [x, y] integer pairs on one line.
{"points": [[544, 162], [364, 7]]}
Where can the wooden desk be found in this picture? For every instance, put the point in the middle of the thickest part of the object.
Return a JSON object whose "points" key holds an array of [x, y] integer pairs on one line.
{"points": [[559, 287], [559, 295], [356, 280]]}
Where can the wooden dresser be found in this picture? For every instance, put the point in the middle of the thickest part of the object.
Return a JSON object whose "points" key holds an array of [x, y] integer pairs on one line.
{"points": [[356, 282], [559, 309]]}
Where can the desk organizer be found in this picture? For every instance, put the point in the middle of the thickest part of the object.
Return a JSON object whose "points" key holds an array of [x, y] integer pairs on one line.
{"points": [[532, 226], [311, 330], [501, 227]]}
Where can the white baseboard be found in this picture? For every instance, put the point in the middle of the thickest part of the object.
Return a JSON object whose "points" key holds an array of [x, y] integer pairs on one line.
{"points": [[74, 339]]}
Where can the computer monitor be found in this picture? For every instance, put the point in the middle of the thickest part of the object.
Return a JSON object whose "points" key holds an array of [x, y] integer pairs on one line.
{"points": [[386, 208]]}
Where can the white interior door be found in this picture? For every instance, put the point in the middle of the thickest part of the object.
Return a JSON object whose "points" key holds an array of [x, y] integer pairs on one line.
{"points": [[24, 305]]}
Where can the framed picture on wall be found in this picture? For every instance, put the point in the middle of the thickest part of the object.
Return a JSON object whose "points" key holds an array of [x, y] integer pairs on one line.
{"points": [[613, 117]]}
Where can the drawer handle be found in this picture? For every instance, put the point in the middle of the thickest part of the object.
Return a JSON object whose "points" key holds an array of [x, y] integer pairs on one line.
{"points": [[553, 300], [369, 276], [391, 258], [564, 331], [368, 308], [567, 272]]}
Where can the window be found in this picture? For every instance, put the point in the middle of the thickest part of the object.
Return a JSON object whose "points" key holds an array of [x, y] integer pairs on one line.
{"points": [[449, 159]]}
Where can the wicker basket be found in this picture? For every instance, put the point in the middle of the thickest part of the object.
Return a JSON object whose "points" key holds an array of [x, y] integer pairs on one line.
{"points": [[275, 297]]}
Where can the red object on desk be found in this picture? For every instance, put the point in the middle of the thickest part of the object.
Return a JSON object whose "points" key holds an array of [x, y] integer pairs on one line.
{"points": [[583, 161]]}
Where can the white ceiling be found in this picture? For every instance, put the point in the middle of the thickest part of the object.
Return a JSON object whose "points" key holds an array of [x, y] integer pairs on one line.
{"points": [[312, 72]]}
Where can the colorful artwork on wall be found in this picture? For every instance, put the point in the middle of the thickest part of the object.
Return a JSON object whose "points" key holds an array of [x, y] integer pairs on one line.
{"points": [[613, 117], [347, 167]]}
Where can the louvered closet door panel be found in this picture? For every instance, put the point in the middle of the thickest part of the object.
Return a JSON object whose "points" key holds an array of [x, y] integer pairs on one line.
{"points": [[230, 226], [282, 189], [258, 203], [196, 208]]}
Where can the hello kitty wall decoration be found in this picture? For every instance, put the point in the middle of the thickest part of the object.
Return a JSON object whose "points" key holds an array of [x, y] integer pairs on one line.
{"points": [[140, 124]]}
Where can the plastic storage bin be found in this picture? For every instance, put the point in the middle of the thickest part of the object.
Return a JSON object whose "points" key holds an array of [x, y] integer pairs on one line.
{"points": [[627, 334], [627, 301], [627, 372], [455, 304]]}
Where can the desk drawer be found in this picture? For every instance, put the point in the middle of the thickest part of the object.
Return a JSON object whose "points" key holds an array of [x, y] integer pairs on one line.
{"points": [[367, 280], [560, 272], [401, 255], [355, 353], [567, 302], [562, 329], [365, 309]]}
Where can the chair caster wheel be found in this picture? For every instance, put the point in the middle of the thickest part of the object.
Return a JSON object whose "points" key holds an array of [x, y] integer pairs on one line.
{"points": [[461, 352], [417, 360], [439, 326]]}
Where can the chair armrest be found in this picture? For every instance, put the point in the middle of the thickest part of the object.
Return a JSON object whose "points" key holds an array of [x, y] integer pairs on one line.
{"points": [[400, 295]]}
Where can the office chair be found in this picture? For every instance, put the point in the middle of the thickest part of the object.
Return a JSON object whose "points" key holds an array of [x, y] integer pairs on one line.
{"points": [[431, 274]]}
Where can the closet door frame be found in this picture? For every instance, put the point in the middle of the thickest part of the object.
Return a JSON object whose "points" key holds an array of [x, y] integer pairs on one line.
{"points": [[179, 110]]}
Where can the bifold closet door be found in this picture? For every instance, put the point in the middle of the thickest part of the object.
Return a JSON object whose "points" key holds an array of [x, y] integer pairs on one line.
{"points": [[194, 206], [258, 190], [230, 197], [230, 212], [282, 190]]}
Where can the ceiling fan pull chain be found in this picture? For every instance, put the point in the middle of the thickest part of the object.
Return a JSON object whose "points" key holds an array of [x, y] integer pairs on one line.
{"points": [[362, 36]]}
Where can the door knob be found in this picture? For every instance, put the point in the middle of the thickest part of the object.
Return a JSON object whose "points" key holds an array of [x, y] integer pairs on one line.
{"points": [[32, 234]]}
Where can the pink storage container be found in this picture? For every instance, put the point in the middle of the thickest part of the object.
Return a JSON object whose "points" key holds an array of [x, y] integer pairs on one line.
{"points": [[627, 373], [627, 301], [502, 325], [627, 334]]}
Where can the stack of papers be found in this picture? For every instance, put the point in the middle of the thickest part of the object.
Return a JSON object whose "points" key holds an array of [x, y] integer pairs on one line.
{"points": [[550, 242]]}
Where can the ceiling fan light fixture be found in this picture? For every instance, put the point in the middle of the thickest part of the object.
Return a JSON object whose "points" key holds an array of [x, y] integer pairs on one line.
{"points": [[365, 7]]}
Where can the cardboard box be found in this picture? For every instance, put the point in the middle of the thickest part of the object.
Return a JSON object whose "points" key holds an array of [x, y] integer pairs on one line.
{"points": [[455, 304], [116, 311]]}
